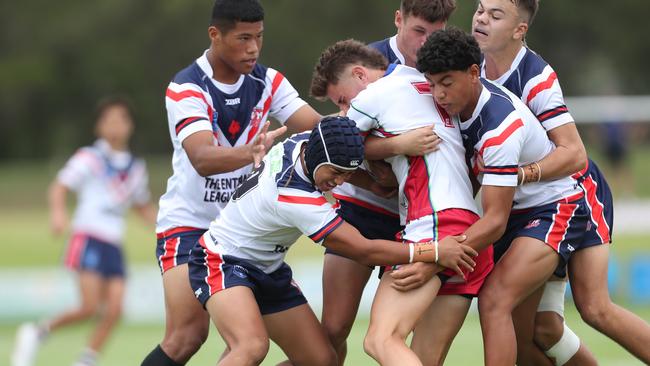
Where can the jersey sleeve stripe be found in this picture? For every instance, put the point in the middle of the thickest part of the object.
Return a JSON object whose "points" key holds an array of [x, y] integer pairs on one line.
{"points": [[178, 96], [541, 87], [502, 170], [552, 113], [316, 201], [186, 122], [498, 140], [327, 229]]}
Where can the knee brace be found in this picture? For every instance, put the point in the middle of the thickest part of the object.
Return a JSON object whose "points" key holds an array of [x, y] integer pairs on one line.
{"points": [[565, 348], [553, 298]]}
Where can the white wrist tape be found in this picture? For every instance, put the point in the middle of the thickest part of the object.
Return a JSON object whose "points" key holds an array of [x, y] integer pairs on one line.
{"points": [[553, 297], [411, 252], [565, 348]]}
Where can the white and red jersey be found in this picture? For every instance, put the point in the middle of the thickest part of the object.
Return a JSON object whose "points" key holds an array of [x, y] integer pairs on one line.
{"points": [[107, 183], [504, 132], [274, 206], [535, 82], [234, 114], [399, 102]]}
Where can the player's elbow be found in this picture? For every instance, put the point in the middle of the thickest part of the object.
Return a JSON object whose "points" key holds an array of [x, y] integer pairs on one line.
{"points": [[579, 157]]}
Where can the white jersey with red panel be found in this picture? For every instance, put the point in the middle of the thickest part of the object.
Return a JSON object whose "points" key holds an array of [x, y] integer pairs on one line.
{"points": [[234, 114], [107, 183], [274, 206], [399, 102], [535, 82], [504, 132]]}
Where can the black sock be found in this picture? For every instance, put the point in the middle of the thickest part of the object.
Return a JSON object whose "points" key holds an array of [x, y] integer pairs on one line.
{"points": [[158, 357]]}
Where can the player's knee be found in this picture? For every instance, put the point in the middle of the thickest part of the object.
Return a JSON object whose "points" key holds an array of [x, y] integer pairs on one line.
{"points": [[183, 342], [375, 342], [547, 332], [252, 351], [489, 303], [113, 313], [593, 314], [326, 357], [565, 348], [337, 332], [88, 310]]}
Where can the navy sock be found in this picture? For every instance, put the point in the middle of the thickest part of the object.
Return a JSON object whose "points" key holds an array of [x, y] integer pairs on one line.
{"points": [[158, 357]]}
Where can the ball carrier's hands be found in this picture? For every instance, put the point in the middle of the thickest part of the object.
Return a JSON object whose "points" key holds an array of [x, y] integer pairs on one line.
{"points": [[264, 141]]}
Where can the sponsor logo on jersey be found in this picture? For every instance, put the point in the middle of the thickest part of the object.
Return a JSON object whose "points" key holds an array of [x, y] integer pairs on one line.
{"points": [[233, 101]]}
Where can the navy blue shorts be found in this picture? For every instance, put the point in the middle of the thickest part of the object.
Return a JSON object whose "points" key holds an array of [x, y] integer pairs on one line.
{"points": [[600, 203], [173, 246], [210, 273], [91, 254], [371, 224], [561, 225]]}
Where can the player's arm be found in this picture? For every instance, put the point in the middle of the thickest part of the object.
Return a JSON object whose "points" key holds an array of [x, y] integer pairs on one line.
{"points": [[347, 240], [497, 203], [57, 195], [304, 118], [362, 179], [568, 158], [209, 159], [415, 142]]}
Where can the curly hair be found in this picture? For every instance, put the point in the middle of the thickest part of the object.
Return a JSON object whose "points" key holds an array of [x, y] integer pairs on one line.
{"points": [[448, 50], [429, 10], [336, 58]]}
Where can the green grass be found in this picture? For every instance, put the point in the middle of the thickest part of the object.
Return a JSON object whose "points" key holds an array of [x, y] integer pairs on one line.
{"points": [[130, 343]]}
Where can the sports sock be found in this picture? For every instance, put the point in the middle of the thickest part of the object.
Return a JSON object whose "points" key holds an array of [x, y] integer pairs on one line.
{"points": [[158, 357]]}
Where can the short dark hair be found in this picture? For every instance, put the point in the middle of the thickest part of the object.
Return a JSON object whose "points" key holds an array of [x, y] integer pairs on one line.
{"points": [[529, 7], [226, 13], [111, 101], [429, 10], [448, 50], [336, 58]]}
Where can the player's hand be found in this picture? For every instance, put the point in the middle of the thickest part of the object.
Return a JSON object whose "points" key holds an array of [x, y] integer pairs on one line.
{"points": [[264, 141], [420, 141], [456, 256], [58, 222], [411, 276], [382, 172]]}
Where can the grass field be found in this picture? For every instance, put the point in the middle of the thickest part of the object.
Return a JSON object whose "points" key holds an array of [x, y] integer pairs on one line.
{"points": [[28, 243]]}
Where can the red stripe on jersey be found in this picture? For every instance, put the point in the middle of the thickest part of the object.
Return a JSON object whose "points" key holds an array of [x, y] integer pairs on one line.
{"points": [[213, 263], [77, 245], [275, 84], [364, 204], [541, 87], [318, 236], [422, 87], [499, 170], [446, 119], [597, 209], [316, 201], [552, 113], [558, 229], [176, 230], [184, 123], [178, 96], [168, 258], [416, 189], [498, 140], [384, 132]]}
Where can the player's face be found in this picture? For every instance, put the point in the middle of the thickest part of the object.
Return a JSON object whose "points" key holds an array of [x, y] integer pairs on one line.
{"points": [[115, 125], [497, 24], [240, 47], [455, 91], [327, 177], [412, 31], [351, 83]]}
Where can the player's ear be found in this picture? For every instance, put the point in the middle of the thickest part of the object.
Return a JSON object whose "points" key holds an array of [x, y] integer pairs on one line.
{"points": [[398, 19], [359, 72], [214, 33], [475, 72], [520, 31]]}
